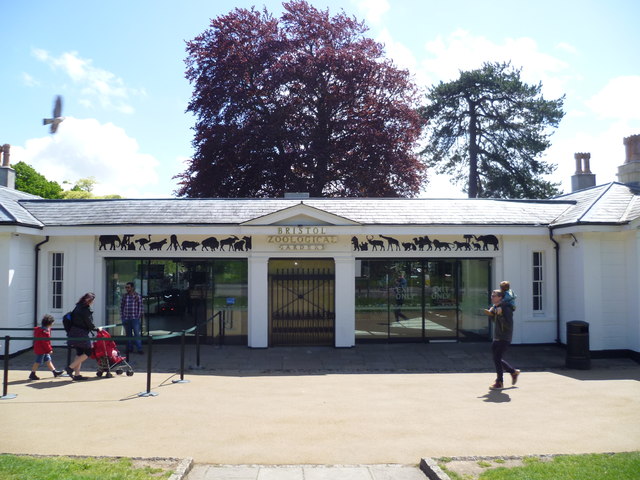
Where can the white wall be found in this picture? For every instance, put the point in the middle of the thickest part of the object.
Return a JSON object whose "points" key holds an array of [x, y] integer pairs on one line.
{"points": [[632, 280], [79, 272], [17, 266], [572, 282], [599, 285], [516, 266]]}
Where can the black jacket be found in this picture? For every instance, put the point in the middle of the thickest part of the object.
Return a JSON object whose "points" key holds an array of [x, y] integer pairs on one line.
{"points": [[82, 317]]}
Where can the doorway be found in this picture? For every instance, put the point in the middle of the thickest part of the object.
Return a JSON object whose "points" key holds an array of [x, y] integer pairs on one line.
{"points": [[301, 302]]}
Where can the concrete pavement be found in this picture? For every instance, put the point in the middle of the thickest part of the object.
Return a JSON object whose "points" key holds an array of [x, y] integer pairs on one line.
{"points": [[319, 411]]}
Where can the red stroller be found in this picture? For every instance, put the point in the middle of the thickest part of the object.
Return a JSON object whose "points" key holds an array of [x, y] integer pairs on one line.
{"points": [[108, 358]]}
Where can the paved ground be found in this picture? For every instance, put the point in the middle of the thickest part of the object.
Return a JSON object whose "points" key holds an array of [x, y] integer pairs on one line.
{"points": [[320, 409]]}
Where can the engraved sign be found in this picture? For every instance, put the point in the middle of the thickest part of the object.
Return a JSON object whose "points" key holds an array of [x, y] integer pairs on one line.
{"points": [[302, 238]]}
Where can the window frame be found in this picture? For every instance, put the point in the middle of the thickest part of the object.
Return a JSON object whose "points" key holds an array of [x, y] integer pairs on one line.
{"points": [[537, 281], [56, 281]]}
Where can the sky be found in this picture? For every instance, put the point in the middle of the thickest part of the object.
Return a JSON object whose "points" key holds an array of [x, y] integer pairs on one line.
{"points": [[119, 66]]}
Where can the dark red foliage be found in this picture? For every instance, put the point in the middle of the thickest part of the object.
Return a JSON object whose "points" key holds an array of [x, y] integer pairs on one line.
{"points": [[304, 103]]}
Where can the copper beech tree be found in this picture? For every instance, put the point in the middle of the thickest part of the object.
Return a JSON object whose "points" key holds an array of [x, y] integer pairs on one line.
{"points": [[303, 103]]}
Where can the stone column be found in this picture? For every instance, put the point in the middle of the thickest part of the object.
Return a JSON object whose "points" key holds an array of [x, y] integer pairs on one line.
{"points": [[345, 301], [258, 302]]}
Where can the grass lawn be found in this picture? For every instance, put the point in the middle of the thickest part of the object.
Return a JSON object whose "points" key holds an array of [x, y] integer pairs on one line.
{"points": [[618, 466], [18, 467]]}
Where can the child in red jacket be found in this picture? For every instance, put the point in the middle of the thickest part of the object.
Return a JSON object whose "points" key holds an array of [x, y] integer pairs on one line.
{"points": [[43, 349]]}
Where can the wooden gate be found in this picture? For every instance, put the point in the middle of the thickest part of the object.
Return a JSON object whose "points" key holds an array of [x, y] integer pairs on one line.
{"points": [[302, 306]]}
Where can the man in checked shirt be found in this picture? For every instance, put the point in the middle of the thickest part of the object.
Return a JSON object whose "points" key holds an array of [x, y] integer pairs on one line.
{"points": [[131, 316]]}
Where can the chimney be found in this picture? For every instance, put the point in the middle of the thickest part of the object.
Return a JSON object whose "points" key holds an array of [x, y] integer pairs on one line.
{"points": [[629, 171], [7, 174], [583, 178]]}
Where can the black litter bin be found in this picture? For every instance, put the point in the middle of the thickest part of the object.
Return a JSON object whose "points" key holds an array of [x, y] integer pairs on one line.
{"points": [[578, 345]]}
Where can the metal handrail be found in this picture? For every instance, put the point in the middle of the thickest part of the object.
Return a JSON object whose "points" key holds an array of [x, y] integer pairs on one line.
{"points": [[148, 338]]}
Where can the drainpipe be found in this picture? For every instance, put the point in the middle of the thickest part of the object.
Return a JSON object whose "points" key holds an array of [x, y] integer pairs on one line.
{"points": [[557, 249], [35, 300]]}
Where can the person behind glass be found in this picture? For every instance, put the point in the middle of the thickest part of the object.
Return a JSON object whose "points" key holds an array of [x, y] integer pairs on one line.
{"points": [[43, 348], [400, 289], [81, 326], [131, 316], [502, 335]]}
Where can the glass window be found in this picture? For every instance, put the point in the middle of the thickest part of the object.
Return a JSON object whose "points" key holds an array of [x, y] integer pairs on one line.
{"points": [[56, 281], [538, 282], [178, 294], [422, 299]]}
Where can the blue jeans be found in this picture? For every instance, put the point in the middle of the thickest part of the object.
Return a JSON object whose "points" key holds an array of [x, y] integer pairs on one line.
{"points": [[132, 329]]}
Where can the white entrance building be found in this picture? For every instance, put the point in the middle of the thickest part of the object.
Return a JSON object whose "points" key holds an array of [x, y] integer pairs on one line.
{"points": [[301, 271]]}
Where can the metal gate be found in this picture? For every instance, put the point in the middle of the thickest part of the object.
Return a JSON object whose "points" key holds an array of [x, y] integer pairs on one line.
{"points": [[302, 306]]}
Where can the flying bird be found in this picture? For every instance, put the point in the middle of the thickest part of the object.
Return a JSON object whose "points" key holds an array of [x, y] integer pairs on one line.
{"points": [[57, 115]]}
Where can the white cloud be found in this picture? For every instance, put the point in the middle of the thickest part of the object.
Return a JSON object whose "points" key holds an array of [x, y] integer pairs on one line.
{"points": [[85, 148], [463, 51], [29, 81], [373, 10], [96, 85], [401, 55], [619, 99], [567, 47]]}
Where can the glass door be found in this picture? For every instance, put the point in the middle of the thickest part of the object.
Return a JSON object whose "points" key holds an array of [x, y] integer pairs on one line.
{"points": [[441, 299], [422, 300]]}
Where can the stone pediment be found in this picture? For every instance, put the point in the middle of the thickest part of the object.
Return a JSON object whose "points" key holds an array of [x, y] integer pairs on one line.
{"points": [[300, 214]]}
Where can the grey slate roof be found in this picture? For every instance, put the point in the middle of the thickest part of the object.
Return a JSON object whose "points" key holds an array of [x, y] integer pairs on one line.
{"points": [[11, 212], [612, 203], [236, 211]]}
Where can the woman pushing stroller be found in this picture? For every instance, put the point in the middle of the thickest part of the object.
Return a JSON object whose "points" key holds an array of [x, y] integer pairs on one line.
{"points": [[81, 326]]}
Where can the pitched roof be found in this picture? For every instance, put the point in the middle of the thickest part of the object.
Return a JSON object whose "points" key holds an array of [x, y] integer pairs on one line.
{"points": [[11, 212], [611, 203], [389, 211]]}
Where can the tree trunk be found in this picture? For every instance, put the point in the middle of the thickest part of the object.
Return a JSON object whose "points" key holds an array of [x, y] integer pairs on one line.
{"points": [[473, 152]]}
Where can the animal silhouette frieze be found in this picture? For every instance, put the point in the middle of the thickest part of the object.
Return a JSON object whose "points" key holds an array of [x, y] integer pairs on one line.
{"points": [[142, 242], [189, 245], [210, 243], [173, 243], [424, 243], [228, 242], [392, 243], [111, 240], [157, 245], [487, 240], [375, 244]]}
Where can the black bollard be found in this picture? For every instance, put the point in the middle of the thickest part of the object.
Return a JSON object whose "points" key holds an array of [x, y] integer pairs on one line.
{"points": [[5, 382], [149, 393], [182, 343]]}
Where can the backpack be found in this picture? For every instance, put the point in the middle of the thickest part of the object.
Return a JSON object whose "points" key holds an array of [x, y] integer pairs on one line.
{"points": [[67, 322]]}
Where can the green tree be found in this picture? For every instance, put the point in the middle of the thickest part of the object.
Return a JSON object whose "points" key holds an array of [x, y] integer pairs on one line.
{"points": [[30, 181], [85, 184], [488, 129]]}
